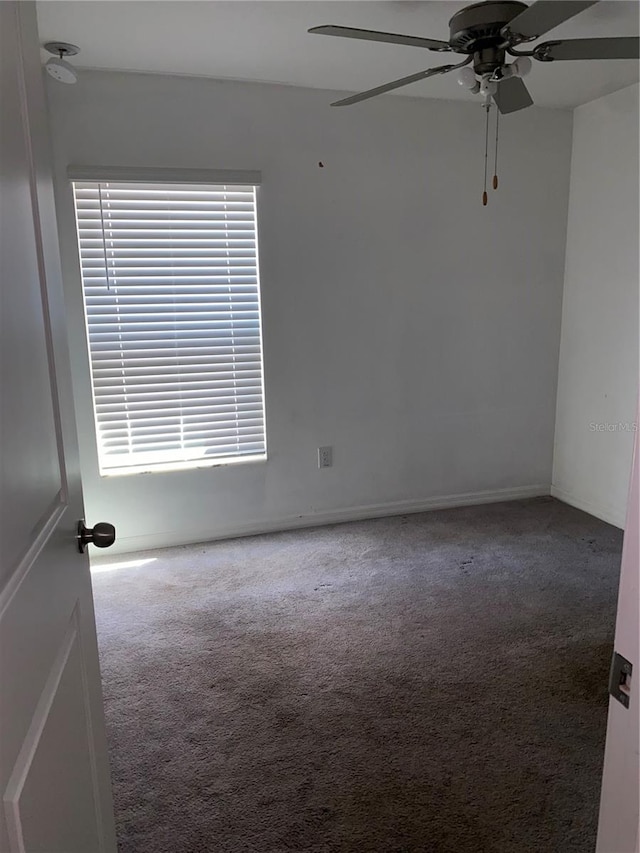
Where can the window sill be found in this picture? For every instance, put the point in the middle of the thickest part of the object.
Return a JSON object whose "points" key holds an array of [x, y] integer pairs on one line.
{"points": [[183, 466]]}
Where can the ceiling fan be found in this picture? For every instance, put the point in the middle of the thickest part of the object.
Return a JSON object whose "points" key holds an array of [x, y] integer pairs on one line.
{"points": [[486, 34]]}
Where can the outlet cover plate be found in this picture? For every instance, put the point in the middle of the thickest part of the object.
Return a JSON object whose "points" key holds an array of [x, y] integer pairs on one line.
{"points": [[325, 457]]}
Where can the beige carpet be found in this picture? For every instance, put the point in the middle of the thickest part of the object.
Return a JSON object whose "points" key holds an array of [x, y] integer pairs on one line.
{"points": [[434, 683]]}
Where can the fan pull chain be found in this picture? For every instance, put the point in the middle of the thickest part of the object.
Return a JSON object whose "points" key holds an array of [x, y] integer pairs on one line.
{"points": [[485, 198], [495, 162]]}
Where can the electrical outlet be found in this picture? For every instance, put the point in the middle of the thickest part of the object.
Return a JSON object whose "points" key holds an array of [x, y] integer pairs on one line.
{"points": [[325, 457]]}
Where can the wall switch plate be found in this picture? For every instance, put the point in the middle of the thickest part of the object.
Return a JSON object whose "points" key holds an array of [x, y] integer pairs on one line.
{"points": [[620, 679], [325, 457]]}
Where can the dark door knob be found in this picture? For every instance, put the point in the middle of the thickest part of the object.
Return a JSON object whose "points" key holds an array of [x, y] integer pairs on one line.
{"points": [[102, 535]]}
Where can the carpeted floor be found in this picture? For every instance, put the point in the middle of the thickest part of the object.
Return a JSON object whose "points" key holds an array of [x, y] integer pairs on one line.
{"points": [[433, 683]]}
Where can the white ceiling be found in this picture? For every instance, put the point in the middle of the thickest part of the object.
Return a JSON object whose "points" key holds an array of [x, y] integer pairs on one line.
{"points": [[267, 41]]}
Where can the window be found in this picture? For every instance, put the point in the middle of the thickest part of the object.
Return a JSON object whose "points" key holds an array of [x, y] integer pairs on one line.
{"points": [[172, 307]]}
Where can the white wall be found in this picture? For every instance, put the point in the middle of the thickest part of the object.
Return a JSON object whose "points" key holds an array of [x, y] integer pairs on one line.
{"points": [[404, 324], [598, 372]]}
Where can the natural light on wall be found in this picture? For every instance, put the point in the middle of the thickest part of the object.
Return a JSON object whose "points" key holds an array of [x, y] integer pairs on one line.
{"points": [[172, 305]]}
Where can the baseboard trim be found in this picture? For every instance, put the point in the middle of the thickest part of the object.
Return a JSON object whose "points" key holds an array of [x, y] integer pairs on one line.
{"points": [[169, 539], [611, 515]]}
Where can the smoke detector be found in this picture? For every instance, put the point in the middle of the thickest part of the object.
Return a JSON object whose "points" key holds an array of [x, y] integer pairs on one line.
{"points": [[59, 68]]}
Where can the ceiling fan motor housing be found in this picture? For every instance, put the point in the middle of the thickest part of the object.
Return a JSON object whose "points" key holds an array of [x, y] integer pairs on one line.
{"points": [[479, 25], [476, 29]]}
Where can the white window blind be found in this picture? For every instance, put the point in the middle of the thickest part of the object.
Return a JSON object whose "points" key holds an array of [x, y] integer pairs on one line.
{"points": [[172, 305]]}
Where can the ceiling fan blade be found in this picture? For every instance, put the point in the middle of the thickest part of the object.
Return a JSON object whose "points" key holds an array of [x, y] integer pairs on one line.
{"points": [[543, 16], [395, 84], [613, 48], [374, 35], [512, 95]]}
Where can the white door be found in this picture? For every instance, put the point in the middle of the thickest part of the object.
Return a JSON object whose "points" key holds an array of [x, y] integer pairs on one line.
{"points": [[54, 773], [618, 829]]}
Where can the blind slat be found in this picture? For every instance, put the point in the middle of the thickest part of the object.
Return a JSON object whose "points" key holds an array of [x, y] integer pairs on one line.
{"points": [[171, 294]]}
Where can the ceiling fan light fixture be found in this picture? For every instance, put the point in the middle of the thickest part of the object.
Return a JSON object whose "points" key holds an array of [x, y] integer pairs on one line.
{"points": [[488, 87], [61, 71], [466, 77], [522, 66], [58, 67]]}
